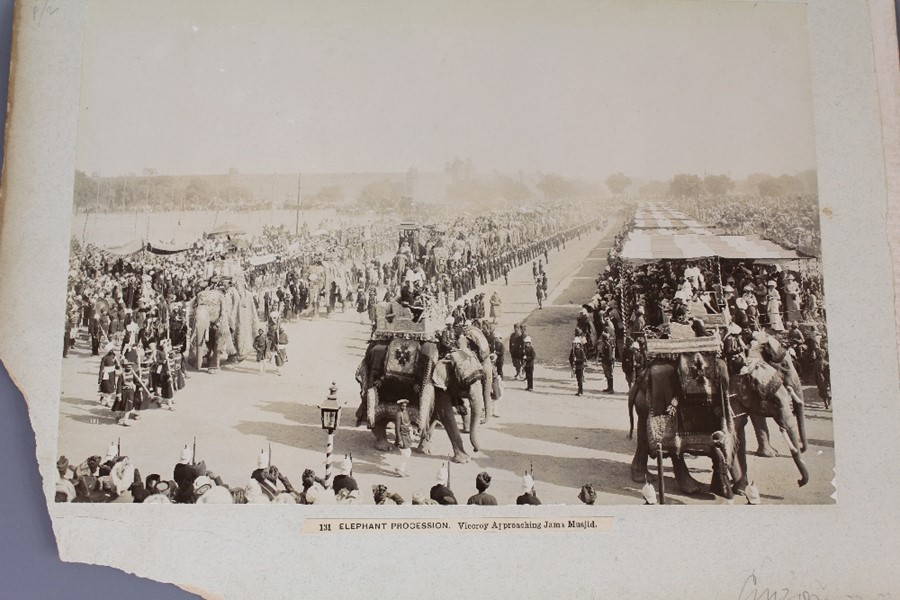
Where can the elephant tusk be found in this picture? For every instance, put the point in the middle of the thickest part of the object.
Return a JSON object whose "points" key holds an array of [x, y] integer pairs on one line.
{"points": [[787, 439]]}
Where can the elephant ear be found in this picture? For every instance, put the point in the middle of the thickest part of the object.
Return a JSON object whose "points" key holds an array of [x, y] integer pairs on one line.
{"points": [[440, 377]]}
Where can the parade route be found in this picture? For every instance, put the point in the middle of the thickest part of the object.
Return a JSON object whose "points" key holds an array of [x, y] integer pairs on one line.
{"points": [[567, 440]]}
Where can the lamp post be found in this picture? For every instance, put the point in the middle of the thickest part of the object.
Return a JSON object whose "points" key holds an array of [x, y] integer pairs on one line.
{"points": [[331, 419]]}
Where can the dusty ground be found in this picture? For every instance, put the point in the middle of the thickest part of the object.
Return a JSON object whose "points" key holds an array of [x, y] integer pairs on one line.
{"points": [[568, 440]]}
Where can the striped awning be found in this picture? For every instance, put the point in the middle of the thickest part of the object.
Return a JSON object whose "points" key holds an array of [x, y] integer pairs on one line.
{"points": [[648, 245]]}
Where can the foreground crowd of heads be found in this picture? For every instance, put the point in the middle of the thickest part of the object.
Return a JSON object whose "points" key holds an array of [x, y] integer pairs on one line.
{"points": [[115, 478]]}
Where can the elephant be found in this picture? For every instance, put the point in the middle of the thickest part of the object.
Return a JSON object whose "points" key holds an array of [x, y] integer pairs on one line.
{"points": [[318, 283], [783, 363], [410, 369], [657, 385], [761, 391], [225, 322], [661, 380]]}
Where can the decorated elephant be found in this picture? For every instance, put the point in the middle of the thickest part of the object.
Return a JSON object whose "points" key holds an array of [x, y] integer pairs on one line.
{"points": [[659, 383], [225, 322], [410, 369], [657, 388], [318, 282]]}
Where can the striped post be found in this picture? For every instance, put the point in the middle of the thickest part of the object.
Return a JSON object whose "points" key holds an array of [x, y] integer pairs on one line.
{"points": [[329, 448]]}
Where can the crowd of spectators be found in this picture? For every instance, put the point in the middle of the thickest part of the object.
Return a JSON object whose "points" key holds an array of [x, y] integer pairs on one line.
{"points": [[115, 478]]}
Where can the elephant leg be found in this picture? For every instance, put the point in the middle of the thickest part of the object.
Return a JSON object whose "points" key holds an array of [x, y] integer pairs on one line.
{"points": [[739, 466], [371, 405], [380, 431], [361, 412], [764, 448], [639, 472], [788, 425], [427, 432], [444, 413], [686, 482]]}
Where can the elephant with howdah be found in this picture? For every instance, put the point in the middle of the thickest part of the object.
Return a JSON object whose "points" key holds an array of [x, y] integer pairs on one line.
{"points": [[758, 391], [410, 369], [225, 322]]}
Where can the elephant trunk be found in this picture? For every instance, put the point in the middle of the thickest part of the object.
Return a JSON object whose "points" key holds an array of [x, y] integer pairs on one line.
{"points": [[791, 440], [801, 424], [487, 388], [371, 405], [476, 412]]}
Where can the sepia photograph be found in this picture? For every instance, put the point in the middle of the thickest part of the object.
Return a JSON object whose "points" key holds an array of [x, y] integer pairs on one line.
{"points": [[568, 256]]}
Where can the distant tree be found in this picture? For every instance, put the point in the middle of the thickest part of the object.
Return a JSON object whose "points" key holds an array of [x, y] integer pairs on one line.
{"points": [[383, 194], [326, 197], [512, 190], [783, 185], [556, 187], [198, 193], [770, 188], [685, 186], [617, 183], [790, 184], [456, 169], [654, 188], [85, 193], [717, 185]]}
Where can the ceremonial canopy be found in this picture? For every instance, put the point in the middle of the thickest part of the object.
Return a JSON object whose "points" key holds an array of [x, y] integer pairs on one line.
{"points": [[667, 234], [653, 245]]}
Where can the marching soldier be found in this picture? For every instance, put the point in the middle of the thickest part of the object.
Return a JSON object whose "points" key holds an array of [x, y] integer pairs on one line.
{"points": [[607, 355], [577, 358], [106, 380], [127, 386]]}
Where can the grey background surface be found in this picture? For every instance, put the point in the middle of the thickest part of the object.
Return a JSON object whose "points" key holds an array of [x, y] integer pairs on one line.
{"points": [[29, 566]]}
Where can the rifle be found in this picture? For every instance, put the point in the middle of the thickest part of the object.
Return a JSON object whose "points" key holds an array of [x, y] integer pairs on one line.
{"points": [[270, 454], [448, 475], [119, 447], [139, 380], [351, 463], [194, 452]]}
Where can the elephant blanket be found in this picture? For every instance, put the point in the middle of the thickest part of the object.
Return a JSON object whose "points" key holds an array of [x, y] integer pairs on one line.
{"points": [[402, 359], [468, 368]]}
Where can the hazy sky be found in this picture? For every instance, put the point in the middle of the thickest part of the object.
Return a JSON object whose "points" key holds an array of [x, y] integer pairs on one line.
{"points": [[578, 88]]}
